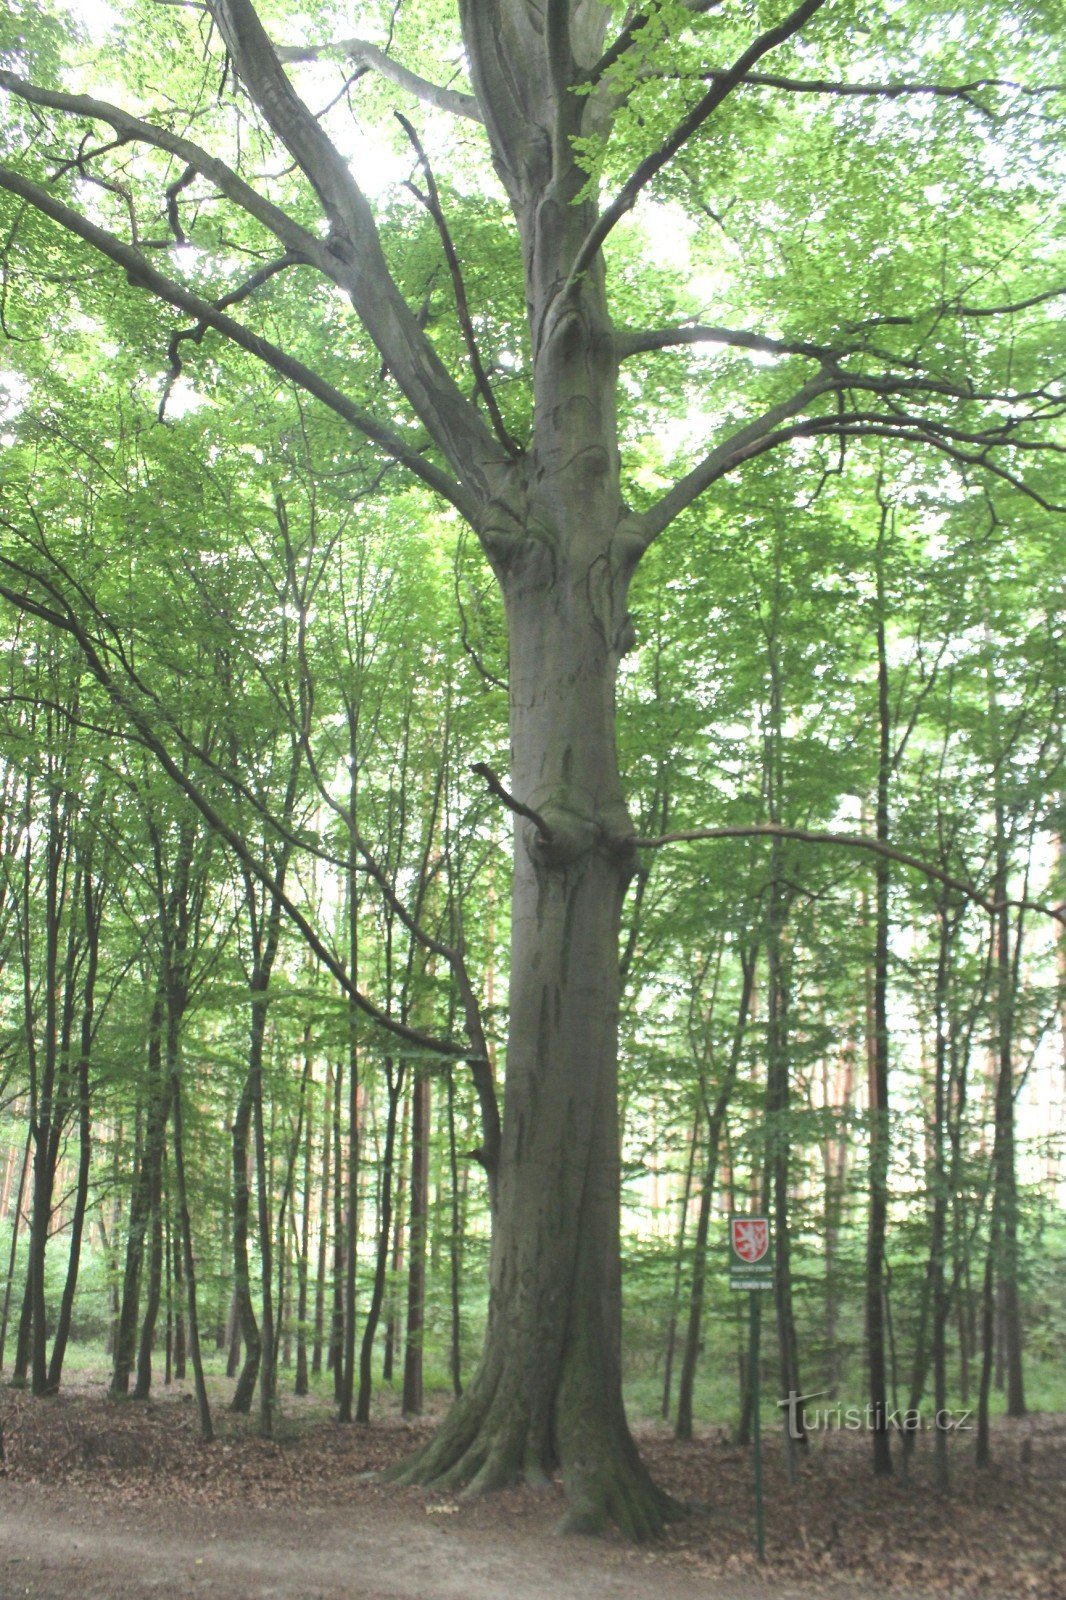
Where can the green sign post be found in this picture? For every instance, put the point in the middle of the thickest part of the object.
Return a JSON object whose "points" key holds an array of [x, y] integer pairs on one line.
{"points": [[751, 1269]]}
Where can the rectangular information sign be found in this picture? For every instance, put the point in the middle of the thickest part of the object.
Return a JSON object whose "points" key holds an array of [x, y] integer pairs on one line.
{"points": [[750, 1263]]}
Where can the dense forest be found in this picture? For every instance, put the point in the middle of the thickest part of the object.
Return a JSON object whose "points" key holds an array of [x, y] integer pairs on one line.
{"points": [[531, 718]]}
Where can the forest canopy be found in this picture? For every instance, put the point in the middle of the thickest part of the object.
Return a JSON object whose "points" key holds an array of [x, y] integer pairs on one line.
{"points": [[531, 710]]}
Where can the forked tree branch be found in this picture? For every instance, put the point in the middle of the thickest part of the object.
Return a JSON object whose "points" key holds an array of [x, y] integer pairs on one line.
{"points": [[850, 841], [143, 274], [365, 54], [451, 420], [750, 439], [244, 291], [431, 200], [689, 124], [132, 129], [774, 428]]}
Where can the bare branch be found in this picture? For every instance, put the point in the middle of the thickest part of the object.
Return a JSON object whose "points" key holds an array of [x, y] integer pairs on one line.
{"points": [[243, 292], [644, 341], [365, 54], [130, 128], [850, 841], [431, 200], [483, 770], [886, 91], [143, 274], [947, 308], [631, 33]]}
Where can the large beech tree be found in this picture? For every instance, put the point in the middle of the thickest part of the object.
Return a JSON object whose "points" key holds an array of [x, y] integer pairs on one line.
{"points": [[587, 112]]}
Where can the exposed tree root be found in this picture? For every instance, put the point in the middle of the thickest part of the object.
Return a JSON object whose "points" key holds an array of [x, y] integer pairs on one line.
{"points": [[485, 1444]]}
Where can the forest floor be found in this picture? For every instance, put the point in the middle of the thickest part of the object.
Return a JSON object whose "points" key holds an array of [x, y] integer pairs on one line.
{"points": [[118, 1501]]}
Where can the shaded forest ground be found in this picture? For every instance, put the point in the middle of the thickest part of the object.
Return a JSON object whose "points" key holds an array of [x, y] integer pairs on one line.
{"points": [[117, 1500]]}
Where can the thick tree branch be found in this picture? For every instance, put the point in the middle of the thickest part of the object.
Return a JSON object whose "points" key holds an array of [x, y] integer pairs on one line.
{"points": [[645, 341], [739, 446], [451, 421], [690, 124], [850, 841], [365, 54], [142, 274]]}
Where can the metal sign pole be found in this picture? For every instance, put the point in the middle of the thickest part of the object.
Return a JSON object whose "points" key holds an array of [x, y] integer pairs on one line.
{"points": [[756, 1423], [751, 1269]]}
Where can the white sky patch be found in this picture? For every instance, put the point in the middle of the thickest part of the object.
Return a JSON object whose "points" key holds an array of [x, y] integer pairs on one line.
{"points": [[96, 18], [667, 233], [14, 393], [376, 165], [183, 399]]}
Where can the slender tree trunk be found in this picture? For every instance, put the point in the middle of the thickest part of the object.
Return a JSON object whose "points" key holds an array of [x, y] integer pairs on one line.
{"points": [[336, 1336], [142, 1386], [347, 1393], [715, 1123], [679, 1261], [44, 1064], [416, 1269], [778, 1158], [151, 1159], [81, 1195], [398, 1167], [242, 1285], [455, 1247], [303, 1243], [255, 1073], [988, 1312], [938, 1220], [394, 1083], [168, 1281], [836, 1167], [13, 1254], [323, 1227], [173, 1066], [1006, 1180], [179, 1311], [878, 1044]]}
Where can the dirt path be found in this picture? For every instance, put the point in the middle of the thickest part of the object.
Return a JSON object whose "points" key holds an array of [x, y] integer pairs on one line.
{"points": [[121, 1501], [62, 1545]]}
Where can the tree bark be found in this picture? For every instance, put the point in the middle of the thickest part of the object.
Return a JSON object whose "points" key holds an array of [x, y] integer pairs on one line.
{"points": [[548, 1390]]}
